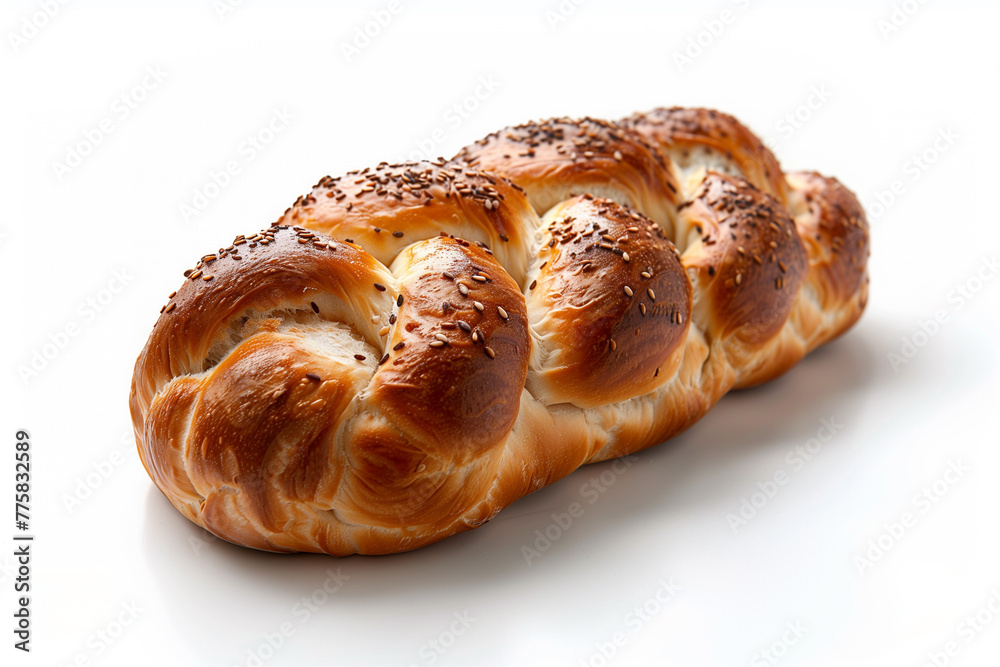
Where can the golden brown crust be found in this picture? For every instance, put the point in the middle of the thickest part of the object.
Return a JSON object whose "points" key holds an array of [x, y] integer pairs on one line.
{"points": [[834, 227], [278, 268], [693, 136], [612, 305], [267, 392], [448, 391], [559, 157], [462, 329], [234, 364], [391, 206], [745, 257], [163, 438], [304, 394], [245, 435]]}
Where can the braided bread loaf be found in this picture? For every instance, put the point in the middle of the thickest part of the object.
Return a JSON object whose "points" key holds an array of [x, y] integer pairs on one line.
{"points": [[411, 348]]}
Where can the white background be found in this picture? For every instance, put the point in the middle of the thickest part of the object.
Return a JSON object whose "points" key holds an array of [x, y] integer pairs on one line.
{"points": [[116, 220]]}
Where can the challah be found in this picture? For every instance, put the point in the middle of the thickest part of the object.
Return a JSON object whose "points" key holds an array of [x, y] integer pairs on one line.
{"points": [[411, 348]]}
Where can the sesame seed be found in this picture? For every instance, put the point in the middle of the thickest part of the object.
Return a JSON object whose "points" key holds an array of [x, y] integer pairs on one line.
{"points": [[464, 326], [625, 256], [646, 275], [481, 279], [445, 305], [195, 275], [399, 300], [533, 285], [399, 346], [163, 308], [618, 155], [360, 357], [314, 377], [633, 229], [447, 325], [739, 278], [375, 319], [448, 275], [380, 287], [383, 331], [437, 343], [384, 359], [463, 289], [489, 352], [502, 313], [781, 265], [172, 295], [441, 337], [651, 293], [612, 345], [398, 234], [475, 336], [170, 307], [312, 304], [479, 306], [392, 318], [642, 308], [628, 290]]}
